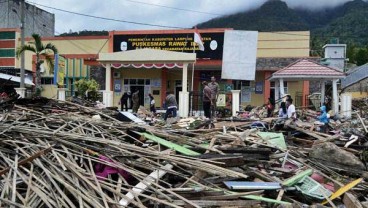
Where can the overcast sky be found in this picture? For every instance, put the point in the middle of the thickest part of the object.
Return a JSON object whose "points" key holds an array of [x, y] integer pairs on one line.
{"points": [[134, 11]]}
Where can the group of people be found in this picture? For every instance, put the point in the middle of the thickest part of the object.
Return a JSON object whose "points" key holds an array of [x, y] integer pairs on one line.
{"points": [[287, 109], [134, 100], [210, 95]]}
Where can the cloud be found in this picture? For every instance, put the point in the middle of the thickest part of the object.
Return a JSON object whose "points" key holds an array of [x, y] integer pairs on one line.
{"points": [[130, 10]]}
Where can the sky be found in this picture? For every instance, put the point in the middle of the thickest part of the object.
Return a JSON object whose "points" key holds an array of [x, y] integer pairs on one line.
{"points": [[154, 12]]}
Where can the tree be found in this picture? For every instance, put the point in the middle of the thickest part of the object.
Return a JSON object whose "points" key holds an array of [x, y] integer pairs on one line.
{"points": [[361, 57], [88, 89], [43, 53]]}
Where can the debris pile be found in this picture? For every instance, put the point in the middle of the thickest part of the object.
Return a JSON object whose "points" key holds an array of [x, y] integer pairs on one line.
{"points": [[61, 154]]}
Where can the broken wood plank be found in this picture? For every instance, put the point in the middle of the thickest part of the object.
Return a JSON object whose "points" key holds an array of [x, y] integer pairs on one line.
{"points": [[170, 145]]}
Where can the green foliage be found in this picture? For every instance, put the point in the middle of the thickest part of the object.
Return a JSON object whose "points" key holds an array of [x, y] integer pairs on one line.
{"points": [[88, 89], [347, 22], [361, 57], [41, 51], [85, 33]]}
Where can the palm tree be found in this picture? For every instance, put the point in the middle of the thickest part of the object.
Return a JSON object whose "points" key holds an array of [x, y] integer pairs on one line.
{"points": [[42, 52]]}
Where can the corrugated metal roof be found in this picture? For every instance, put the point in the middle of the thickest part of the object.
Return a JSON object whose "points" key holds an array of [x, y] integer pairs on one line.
{"points": [[355, 75]]}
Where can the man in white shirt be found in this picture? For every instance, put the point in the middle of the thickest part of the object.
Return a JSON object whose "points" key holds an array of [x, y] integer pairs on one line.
{"points": [[290, 109]]}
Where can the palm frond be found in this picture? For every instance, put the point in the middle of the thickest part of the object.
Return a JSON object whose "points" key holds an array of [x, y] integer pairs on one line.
{"points": [[38, 42], [52, 47], [21, 50]]}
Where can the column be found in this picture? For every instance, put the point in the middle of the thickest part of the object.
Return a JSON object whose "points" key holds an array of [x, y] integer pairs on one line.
{"points": [[305, 93], [163, 85], [185, 77], [184, 94], [21, 92], [323, 90], [277, 91], [335, 97], [235, 101], [282, 92], [61, 93], [107, 94], [267, 87]]}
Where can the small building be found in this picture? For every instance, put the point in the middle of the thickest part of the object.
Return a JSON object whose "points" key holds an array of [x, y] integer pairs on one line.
{"points": [[335, 55], [276, 50], [356, 82], [36, 20]]}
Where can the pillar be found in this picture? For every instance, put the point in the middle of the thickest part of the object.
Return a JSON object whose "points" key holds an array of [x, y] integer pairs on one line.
{"points": [[335, 97], [267, 87], [235, 101], [323, 90], [277, 91], [184, 94], [61, 93], [107, 94], [163, 85], [185, 77], [282, 92], [21, 92], [305, 93]]}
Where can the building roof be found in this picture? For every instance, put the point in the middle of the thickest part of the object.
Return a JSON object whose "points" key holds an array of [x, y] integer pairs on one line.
{"points": [[355, 75], [307, 70], [146, 55]]}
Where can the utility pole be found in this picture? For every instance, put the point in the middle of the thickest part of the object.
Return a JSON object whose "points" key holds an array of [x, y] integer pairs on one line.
{"points": [[22, 61]]}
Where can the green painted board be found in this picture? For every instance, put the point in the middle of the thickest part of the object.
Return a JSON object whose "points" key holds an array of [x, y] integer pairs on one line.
{"points": [[260, 198], [274, 139], [7, 35], [170, 145], [295, 179]]}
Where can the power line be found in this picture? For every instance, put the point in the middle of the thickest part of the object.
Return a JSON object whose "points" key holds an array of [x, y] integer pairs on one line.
{"points": [[175, 8], [105, 18]]}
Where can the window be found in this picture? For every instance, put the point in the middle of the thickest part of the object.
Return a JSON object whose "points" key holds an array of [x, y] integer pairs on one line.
{"points": [[47, 80], [148, 82], [238, 84], [126, 81], [285, 86], [133, 81], [140, 81]]}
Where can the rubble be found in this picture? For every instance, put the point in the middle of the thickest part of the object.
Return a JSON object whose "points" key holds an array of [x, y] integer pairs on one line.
{"points": [[62, 154]]}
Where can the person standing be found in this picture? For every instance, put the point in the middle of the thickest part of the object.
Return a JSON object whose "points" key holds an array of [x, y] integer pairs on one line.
{"points": [[171, 105], [283, 111], [214, 86], [207, 99], [152, 103], [124, 101], [291, 109], [135, 99], [270, 107], [323, 118]]}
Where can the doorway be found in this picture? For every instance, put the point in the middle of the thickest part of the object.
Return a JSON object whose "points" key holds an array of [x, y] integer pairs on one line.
{"points": [[177, 90], [141, 94]]}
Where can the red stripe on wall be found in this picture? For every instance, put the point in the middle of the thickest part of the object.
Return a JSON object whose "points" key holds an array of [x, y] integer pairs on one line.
{"points": [[7, 61], [7, 44]]}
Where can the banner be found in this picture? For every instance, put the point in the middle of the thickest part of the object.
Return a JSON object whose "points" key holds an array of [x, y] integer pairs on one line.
{"points": [[259, 88], [117, 85], [59, 70], [240, 55], [184, 42]]}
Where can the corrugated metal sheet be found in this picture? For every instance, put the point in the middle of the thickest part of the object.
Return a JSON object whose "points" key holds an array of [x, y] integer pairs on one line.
{"points": [[358, 74]]}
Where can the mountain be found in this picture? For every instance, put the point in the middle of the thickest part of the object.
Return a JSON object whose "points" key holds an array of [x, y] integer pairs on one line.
{"points": [[272, 16], [348, 22]]}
